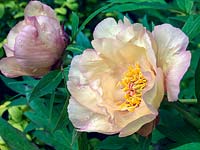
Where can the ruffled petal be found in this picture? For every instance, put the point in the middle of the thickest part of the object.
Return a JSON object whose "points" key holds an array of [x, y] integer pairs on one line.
{"points": [[108, 28], [86, 120], [36, 8], [172, 56]]}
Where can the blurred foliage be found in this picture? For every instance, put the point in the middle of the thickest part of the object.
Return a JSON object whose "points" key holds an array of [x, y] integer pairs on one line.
{"points": [[34, 111]]}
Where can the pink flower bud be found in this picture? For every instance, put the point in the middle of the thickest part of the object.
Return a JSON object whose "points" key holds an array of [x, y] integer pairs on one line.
{"points": [[34, 44]]}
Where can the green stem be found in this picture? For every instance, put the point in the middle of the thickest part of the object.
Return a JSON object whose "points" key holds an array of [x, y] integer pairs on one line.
{"points": [[188, 101]]}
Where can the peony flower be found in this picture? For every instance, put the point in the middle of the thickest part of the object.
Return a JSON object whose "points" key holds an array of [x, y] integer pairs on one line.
{"points": [[118, 86], [34, 44]]}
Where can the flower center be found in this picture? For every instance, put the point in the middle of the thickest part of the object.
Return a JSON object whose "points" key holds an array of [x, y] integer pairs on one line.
{"points": [[132, 83]]}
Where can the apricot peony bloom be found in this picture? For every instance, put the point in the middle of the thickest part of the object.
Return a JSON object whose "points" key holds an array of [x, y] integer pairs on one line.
{"points": [[34, 44], [118, 86]]}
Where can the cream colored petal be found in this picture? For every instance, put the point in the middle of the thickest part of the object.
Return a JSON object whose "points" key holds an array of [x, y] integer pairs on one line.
{"points": [[86, 96], [123, 118], [136, 125], [36, 8], [171, 56], [155, 96], [86, 120], [108, 28]]}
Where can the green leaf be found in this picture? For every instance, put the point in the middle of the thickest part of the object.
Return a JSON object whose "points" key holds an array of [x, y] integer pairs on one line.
{"points": [[197, 81], [47, 84], [175, 128], [2, 10], [60, 139], [185, 5], [83, 40], [192, 27], [118, 143], [15, 139], [136, 6], [90, 17], [19, 101], [19, 88], [189, 146], [75, 23]]}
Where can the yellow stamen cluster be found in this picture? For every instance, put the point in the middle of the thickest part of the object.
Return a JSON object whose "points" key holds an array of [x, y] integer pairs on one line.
{"points": [[132, 83]]}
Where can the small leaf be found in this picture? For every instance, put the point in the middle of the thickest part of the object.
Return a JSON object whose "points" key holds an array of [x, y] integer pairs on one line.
{"points": [[15, 139], [47, 84]]}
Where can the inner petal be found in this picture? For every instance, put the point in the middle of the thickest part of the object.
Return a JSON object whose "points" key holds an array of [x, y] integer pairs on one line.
{"points": [[132, 84]]}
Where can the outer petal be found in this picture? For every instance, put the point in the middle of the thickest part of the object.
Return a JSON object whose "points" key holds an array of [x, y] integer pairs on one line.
{"points": [[86, 120], [30, 51], [36, 8], [155, 96], [12, 35], [108, 28], [10, 68], [172, 56]]}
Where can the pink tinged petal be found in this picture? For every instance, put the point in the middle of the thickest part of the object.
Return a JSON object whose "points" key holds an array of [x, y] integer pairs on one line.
{"points": [[36, 8], [86, 120], [30, 51], [108, 28], [172, 56], [49, 32], [13, 34], [9, 52], [10, 68], [175, 74]]}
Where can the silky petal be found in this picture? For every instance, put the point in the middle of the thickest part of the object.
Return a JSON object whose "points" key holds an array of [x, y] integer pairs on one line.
{"points": [[108, 28], [171, 56], [125, 118], [155, 96], [10, 68], [175, 74], [36, 8], [27, 43], [9, 52], [86, 120], [12, 35], [136, 125]]}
